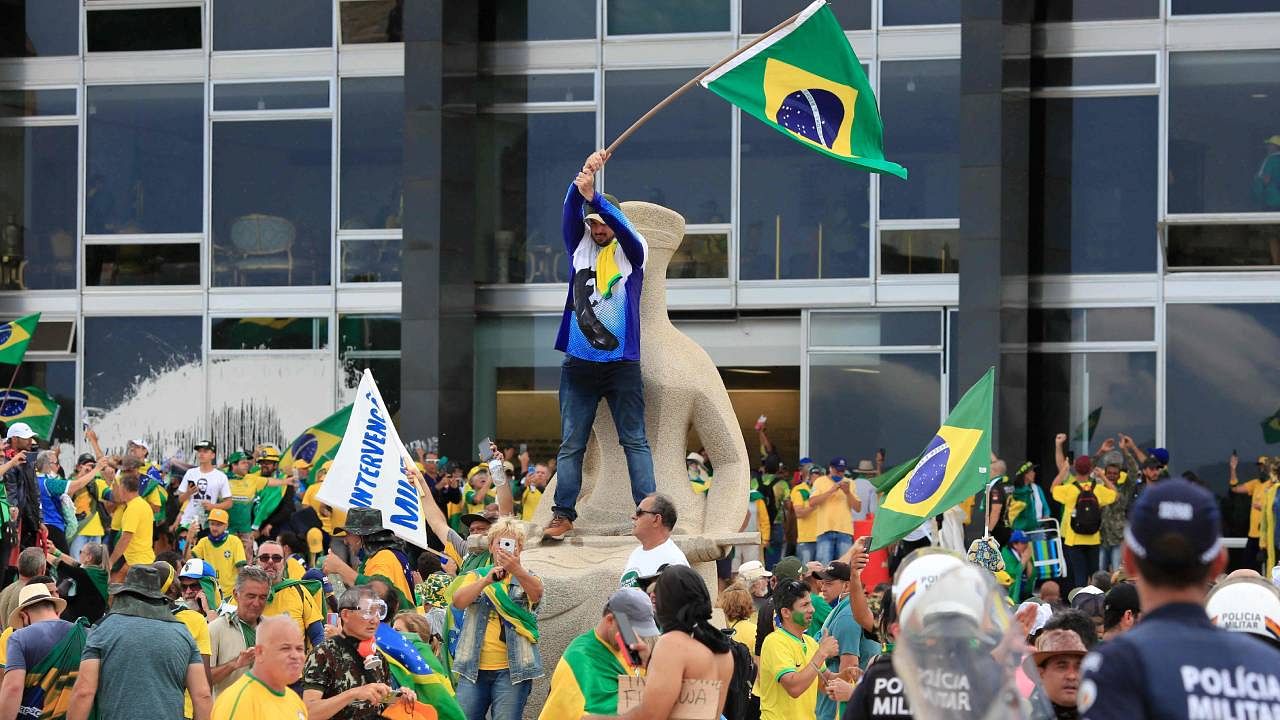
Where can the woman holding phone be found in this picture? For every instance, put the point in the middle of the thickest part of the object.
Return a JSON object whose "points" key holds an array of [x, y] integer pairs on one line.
{"points": [[497, 656]]}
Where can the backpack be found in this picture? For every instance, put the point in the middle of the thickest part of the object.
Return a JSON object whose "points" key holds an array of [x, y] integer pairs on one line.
{"points": [[1086, 518], [737, 700]]}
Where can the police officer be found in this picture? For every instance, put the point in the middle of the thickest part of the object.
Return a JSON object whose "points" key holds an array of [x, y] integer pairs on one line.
{"points": [[1176, 663]]}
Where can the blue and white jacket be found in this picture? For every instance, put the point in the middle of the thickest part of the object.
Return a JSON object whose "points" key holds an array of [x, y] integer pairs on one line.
{"points": [[593, 327]]}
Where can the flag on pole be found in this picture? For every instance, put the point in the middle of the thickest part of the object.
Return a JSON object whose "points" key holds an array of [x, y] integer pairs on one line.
{"points": [[954, 466], [317, 443], [32, 406], [14, 337], [1085, 430], [806, 82]]}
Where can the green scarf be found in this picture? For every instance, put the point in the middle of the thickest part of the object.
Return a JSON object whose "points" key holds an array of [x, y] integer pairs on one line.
{"points": [[98, 576]]}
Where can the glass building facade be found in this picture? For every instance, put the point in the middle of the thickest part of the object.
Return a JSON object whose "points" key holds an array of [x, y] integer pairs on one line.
{"points": [[207, 201]]}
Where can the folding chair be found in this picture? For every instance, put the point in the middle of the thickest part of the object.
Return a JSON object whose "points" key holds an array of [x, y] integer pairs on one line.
{"points": [[1048, 560]]}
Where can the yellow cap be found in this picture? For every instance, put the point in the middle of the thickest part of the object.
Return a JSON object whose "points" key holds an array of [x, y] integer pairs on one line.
{"points": [[219, 515], [301, 463], [315, 540]]}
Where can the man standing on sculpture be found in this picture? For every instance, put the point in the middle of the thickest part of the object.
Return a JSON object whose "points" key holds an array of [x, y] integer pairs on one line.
{"points": [[600, 336]]}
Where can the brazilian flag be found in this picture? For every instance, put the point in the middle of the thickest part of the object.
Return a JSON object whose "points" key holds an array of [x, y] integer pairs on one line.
{"points": [[32, 406], [1271, 429], [954, 466], [413, 665], [805, 82], [317, 443], [14, 337]]}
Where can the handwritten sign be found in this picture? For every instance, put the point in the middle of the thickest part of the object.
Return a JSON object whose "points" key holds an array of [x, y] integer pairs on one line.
{"points": [[699, 699]]}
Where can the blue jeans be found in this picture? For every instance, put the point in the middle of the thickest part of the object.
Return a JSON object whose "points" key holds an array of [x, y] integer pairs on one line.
{"points": [[494, 691], [1110, 559], [582, 385], [1082, 561], [806, 551], [831, 545]]}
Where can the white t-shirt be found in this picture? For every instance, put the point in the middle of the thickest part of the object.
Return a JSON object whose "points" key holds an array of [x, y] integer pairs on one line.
{"points": [[866, 492], [211, 486], [644, 563]]}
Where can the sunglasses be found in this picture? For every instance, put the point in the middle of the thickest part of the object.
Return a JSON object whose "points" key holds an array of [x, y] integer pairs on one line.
{"points": [[270, 558], [189, 586], [641, 511]]}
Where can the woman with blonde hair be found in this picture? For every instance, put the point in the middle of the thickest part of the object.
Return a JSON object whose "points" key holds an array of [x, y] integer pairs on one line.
{"points": [[739, 614]]}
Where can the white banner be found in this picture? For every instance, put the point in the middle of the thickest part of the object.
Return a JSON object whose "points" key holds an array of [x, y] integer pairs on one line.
{"points": [[368, 470]]}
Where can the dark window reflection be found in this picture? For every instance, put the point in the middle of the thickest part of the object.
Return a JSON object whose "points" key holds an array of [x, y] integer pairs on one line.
{"points": [[269, 333], [386, 372], [920, 106], [271, 193], [543, 87], [370, 261], [762, 15], [368, 332], [272, 24], [1214, 7], [372, 342], [701, 255], [39, 28], [521, 187], [58, 380], [130, 352], [791, 196], [1121, 324], [1091, 397], [1093, 184], [897, 399], [508, 20], [378, 21], [372, 153], [921, 12], [1223, 245], [145, 159], [1087, 10], [634, 17], [38, 207], [119, 265], [915, 252], [680, 158], [271, 96], [1224, 161], [33, 103], [1093, 70], [140, 30]]}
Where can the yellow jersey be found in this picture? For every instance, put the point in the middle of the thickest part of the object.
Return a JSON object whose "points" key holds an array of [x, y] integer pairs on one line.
{"points": [[250, 699], [137, 518], [834, 514], [226, 558], [806, 527]]}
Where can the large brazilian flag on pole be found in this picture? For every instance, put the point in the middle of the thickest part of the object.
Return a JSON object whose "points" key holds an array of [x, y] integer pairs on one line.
{"points": [[954, 466], [805, 81]]}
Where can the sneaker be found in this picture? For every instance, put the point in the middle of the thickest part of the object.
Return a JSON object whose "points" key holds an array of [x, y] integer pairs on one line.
{"points": [[559, 527]]}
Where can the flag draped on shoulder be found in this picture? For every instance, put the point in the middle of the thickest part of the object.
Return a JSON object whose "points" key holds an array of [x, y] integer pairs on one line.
{"points": [[523, 621], [413, 665], [954, 466], [32, 406], [318, 443], [15, 335], [805, 81]]}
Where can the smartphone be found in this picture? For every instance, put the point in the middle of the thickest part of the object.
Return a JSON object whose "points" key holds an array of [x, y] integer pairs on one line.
{"points": [[507, 544], [486, 452], [629, 638], [524, 448], [332, 619]]}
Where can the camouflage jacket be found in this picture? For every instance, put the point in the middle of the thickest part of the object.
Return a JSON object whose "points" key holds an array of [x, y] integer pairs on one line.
{"points": [[1114, 515], [334, 667]]}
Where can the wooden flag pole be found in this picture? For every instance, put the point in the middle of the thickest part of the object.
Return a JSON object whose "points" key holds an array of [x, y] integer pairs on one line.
{"points": [[13, 378], [685, 87]]}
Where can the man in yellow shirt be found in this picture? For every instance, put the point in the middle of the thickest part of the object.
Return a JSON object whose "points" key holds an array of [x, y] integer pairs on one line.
{"points": [[220, 549], [263, 693], [289, 597], [806, 520], [136, 521], [384, 555], [791, 662], [1256, 489], [834, 502], [534, 485], [1082, 496], [244, 488]]}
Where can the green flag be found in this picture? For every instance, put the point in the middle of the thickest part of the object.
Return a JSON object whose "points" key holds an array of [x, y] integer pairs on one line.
{"points": [[32, 406], [954, 466], [14, 337], [1271, 429], [805, 82], [1085, 430]]}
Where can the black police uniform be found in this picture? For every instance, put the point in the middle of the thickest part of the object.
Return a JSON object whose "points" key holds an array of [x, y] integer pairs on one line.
{"points": [[879, 694], [1175, 664]]}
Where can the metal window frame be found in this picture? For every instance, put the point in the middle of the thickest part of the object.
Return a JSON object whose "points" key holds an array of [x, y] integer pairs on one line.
{"points": [[603, 34], [215, 353]]}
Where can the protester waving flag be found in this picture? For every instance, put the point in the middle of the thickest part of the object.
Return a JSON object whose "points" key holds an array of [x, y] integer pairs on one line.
{"points": [[318, 443], [954, 466], [32, 406], [14, 337], [804, 81], [413, 665]]}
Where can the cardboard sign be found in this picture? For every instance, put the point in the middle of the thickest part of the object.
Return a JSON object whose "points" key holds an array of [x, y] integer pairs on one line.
{"points": [[699, 699]]}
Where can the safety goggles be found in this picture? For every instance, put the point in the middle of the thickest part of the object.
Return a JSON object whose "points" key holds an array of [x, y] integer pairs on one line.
{"points": [[370, 609]]}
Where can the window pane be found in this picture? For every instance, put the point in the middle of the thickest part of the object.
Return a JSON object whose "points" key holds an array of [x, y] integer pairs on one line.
{"points": [[1090, 397], [920, 106], [38, 169], [1213, 7], [32, 103], [680, 158], [271, 189], [271, 96], [702, 255], [54, 336], [762, 15], [58, 380], [378, 21], [266, 333], [915, 252], [1096, 324], [1220, 161], [373, 342], [630, 17], [537, 19], [1093, 70], [896, 398], [142, 264], [1086, 10], [372, 152], [921, 12], [386, 372], [39, 28], [138, 367], [368, 332], [272, 24], [139, 30], [145, 159], [872, 329], [1093, 184], [553, 87], [370, 261], [524, 173], [1223, 245], [784, 210]]}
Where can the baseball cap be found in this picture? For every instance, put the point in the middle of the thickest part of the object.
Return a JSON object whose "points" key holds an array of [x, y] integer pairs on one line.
{"points": [[753, 570], [815, 470], [1018, 536], [197, 568], [1026, 467], [204, 445], [219, 515], [1180, 510], [834, 571], [19, 430], [1152, 462], [788, 568], [1121, 597], [636, 606], [1160, 454], [86, 458], [1083, 465], [236, 457], [839, 462], [806, 460], [140, 443], [591, 212]]}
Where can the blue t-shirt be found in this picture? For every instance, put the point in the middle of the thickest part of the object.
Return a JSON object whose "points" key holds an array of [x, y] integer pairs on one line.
{"points": [[848, 634], [52, 489]]}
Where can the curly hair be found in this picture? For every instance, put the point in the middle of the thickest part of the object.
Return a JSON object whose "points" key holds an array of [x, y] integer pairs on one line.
{"points": [[736, 603]]}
